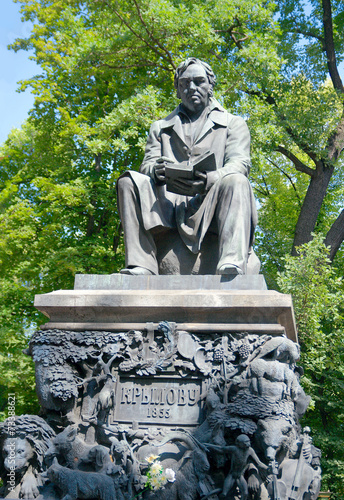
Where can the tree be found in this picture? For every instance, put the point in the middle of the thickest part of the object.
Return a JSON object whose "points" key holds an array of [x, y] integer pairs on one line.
{"points": [[319, 312], [276, 74], [58, 212], [107, 73]]}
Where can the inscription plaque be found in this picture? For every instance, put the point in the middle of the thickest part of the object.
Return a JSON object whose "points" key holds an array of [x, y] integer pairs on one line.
{"points": [[158, 401]]}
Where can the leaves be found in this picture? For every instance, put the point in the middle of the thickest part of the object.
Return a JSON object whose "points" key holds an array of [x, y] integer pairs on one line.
{"points": [[319, 311], [106, 74]]}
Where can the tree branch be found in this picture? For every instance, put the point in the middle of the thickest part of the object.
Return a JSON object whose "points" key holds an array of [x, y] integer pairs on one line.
{"points": [[298, 164], [233, 32], [238, 42], [155, 40], [265, 193], [288, 177], [260, 189], [335, 235], [270, 100], [310, 34], [302, 145], [137, 35], [266, 186], [229, 30], [336, 140], [329, 46], [312, 204]]}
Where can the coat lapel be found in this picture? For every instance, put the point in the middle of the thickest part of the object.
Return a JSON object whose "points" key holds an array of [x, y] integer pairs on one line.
{"points": [[215, 117], [173, 121]]}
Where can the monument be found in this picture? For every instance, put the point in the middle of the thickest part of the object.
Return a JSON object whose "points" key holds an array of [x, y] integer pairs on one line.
{"points": [[193, 182], [176, 379]]}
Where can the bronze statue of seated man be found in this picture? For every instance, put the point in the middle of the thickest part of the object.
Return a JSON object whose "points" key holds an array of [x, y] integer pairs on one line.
{"points": [[192, 183]]}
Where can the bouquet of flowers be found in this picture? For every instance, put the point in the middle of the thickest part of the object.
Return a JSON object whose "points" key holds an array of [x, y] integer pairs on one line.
{"points": [[157, 476]]}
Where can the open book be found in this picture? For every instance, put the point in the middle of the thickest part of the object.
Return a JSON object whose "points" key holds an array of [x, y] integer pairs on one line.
{"points": [[187, 169]]}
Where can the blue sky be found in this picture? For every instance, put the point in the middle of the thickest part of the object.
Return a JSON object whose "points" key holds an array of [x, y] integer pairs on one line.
{"points": [[14, 106]]}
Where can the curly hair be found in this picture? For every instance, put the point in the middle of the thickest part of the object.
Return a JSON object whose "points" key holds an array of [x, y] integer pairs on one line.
{"points": [[185, 64], [32, 428]]}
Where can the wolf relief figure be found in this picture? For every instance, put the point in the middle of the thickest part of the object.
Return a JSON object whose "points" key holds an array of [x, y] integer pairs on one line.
{"points": [[76, 484]]}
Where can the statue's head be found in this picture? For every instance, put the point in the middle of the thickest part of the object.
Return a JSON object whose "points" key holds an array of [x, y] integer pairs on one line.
{"points": [[17, 454], [243, 441], [31, 439], [194, 81]]}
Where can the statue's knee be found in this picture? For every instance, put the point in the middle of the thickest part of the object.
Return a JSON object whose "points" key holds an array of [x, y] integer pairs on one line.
{"points": [[125, 184], [234, 180]]}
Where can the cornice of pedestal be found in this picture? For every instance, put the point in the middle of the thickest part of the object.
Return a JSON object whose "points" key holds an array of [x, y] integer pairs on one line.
{"points": [[185, 300]]}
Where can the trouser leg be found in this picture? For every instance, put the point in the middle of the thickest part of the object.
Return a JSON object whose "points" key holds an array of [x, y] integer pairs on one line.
{"points": [[233, 220], [140, 249]]}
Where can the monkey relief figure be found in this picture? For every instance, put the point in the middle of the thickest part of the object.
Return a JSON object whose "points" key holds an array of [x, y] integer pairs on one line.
{"points": [[240, 454]]}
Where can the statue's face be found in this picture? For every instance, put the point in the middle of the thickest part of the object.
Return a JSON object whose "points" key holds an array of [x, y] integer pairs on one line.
{"points": [[194, 88], [243, 442], [16, 453]]}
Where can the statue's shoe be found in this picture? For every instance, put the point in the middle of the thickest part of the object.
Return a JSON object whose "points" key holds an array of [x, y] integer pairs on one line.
{"points": [[229, 270], [137, 271]]}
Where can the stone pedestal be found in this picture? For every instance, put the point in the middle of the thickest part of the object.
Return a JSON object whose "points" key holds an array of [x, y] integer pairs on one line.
{"points": [[197, 370], [195, 303]]}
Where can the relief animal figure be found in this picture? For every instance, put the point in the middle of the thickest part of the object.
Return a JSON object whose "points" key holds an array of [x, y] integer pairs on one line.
{"points": [[19, 454], [275, 372], [99, 458], [22, 455], [281, 349], [271, 369], [71, 451], [75, 484], [275, 435], [240, 453], [123, 454], [206, 432], [191, 471], [106, 397], [98, 389]]}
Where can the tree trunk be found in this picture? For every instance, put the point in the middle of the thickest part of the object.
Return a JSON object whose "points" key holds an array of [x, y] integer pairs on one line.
{"points": [[314, 198], [335, 236]]}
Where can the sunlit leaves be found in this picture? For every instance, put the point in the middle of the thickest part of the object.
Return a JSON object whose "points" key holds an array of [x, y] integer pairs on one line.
{"points": [[319, 311], [106, 74]]}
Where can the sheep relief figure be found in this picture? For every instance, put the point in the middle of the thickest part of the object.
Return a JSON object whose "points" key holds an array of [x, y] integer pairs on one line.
{"points": [[79, 484]]}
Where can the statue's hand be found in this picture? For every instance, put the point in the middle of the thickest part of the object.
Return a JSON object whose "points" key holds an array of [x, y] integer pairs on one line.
{"points": [[190, 187], [253, 483], [159, 170]]}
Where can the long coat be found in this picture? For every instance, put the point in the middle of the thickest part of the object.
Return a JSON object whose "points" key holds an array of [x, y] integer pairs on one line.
{"points": [[225, 135]]}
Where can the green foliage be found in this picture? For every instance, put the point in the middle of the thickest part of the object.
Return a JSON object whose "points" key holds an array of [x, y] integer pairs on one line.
{"points": [[17, 372], [319, 312], [106, 74]]}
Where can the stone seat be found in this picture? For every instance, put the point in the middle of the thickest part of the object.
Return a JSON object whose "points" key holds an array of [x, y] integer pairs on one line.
{"points": [[175, 258]]}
